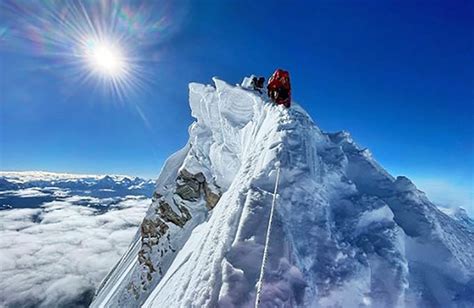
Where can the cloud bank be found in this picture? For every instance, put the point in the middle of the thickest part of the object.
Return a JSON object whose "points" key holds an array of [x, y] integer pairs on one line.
{"points": [[447, 194], [55, 255]]}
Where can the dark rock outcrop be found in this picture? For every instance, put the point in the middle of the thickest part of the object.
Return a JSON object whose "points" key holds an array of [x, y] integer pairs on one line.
{"points": [[154, 230], [191, 187]]}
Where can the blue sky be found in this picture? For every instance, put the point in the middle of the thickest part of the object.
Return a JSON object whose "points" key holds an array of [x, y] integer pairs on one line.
{"points": [[398, 75]]}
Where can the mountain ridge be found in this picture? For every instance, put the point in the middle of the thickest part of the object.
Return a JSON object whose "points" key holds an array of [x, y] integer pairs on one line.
{"points": [[24, 189], [346, 232]]}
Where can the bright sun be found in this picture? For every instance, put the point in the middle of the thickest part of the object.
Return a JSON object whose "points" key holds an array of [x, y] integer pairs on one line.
{"points": [[106, 59]]}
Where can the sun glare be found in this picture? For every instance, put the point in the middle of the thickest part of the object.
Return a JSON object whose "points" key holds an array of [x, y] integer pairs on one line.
{"points": [[107, 59], [102, 44]]}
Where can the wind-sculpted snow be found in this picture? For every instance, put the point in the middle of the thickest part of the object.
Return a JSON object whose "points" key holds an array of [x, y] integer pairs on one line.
{"points": [[346, 233]]}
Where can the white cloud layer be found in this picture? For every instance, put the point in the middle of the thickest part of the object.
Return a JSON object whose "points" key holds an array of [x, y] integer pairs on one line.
{"points": [[55, 256], [24, 193], [447, 194]]}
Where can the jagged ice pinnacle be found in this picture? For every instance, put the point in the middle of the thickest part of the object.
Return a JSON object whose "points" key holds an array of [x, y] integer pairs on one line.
{"points": [[344, 232]]}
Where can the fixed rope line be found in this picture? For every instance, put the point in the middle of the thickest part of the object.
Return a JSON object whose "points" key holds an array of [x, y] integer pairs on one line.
{"points": [[267, 241]]}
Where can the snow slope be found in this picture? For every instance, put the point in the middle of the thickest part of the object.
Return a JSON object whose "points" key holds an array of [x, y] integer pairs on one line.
{"points": [[345, 232]]}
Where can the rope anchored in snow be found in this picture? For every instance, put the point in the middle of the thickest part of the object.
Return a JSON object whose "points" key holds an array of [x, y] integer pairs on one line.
{"points": [[267, 241]]}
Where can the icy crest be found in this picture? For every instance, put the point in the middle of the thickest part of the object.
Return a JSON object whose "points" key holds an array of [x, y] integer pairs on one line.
{"points": [[346, 233]]}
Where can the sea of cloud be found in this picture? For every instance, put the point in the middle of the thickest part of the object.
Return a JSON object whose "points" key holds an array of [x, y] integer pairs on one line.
{"points": [[57, 254]]}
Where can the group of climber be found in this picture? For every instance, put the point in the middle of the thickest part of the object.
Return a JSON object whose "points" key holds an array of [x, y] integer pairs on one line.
{"points": [[278, 88]]}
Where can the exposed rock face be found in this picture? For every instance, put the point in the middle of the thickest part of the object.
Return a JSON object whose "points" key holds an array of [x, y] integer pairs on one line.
{"points": [[192, 186], [167, 214], [151, 233], [211, 198], [188, 186], [155, 230]]}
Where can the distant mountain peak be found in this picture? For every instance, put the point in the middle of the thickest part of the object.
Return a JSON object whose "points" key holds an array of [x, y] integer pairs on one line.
{"points": [[18, 185]]}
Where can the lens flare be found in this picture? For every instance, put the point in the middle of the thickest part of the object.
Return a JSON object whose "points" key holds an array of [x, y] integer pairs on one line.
{"points": [[105, 44]]}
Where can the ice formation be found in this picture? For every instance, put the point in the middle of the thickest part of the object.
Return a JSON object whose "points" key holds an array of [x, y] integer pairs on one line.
{"points": [[345, 232]]}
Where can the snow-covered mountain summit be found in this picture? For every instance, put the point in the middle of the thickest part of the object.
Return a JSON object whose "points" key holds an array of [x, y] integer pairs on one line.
{"points": [[22, 179], [345, 232]]}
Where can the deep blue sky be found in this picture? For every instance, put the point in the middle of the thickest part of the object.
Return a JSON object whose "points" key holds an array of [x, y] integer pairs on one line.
{"points": [[399, 76]]}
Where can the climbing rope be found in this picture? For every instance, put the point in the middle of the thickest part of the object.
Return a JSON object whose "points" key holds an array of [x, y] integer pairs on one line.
{"points": [[267, 241]]}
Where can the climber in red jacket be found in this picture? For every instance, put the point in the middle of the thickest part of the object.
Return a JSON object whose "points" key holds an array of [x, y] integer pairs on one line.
{"points": [[279, 88]]}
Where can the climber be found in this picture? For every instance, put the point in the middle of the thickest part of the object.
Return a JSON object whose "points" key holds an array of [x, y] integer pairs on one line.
{"points": [[257, 83], [279, 88]]}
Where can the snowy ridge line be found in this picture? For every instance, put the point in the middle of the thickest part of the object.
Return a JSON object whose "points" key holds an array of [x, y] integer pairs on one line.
{"points": [[132, 250], [262, 128], [348, 233], [131, 254], [267, 242]]}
